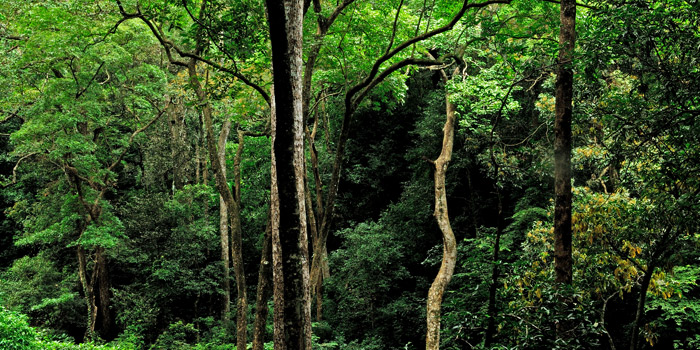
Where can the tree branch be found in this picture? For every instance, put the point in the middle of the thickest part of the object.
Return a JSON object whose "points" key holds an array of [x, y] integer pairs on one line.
{"points": [[168, 45], [349, 97], [81, 92], [14, 169]]}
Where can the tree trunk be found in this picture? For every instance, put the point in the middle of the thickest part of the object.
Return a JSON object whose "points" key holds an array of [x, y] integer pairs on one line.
{"points": [[223, 229], [562, 153], [449, 248], [277, 276], [290, 251], [96, 287], [263, 290], [87, 290], [634, 337], [103, 295], [237, 253], [321, 271], [231, 204]]}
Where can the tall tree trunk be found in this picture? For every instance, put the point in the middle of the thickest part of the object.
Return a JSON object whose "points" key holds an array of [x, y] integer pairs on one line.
{"points": [[96, 287], [231, 204], [316, 276], [449, 244], [237, 250], [318, 272], [290, 241], [321, 271], [562, 153], [223, 228], [263, 290], [277, 276]]}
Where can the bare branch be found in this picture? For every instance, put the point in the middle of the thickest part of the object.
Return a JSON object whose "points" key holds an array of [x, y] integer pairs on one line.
{"points": [[14, 169]]}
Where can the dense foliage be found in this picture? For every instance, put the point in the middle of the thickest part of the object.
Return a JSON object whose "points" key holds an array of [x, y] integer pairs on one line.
{"points": [[109, 205]]}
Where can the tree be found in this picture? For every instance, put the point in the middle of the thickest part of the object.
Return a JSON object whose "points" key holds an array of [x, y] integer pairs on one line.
{"points": [[290, 254], [449, 254], [81, 71]]}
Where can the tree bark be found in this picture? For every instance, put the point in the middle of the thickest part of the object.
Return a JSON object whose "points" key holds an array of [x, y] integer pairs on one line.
{"points": [[223, 229], [449, 248], [237, 253], [290, 252], [321, 271], [562, 154]]}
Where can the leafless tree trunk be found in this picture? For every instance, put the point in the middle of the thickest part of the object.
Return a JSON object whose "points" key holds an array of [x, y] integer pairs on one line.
{"points": [[449, 247]]}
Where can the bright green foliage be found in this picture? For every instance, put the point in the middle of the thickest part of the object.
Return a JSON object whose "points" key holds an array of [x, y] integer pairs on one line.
{"points": [[679, 311], [15, 333], [77, 83]]}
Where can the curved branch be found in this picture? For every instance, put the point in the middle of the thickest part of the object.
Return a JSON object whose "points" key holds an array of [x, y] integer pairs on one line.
{"points": [[14, 169], [385, 73], [375, 68], [393, 31], [168, 45]]}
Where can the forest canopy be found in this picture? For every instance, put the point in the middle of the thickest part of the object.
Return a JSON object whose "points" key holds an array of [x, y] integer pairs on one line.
{"points": [[350, 174]]}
